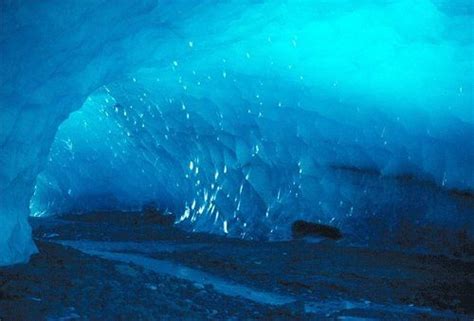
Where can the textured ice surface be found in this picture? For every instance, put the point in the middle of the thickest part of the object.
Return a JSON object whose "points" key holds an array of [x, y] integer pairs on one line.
{"points": [[358, 114], [249, 172]]}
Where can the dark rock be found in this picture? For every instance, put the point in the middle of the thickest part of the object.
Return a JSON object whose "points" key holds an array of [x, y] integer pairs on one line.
{"points": [[152, 215], [302, 228]]}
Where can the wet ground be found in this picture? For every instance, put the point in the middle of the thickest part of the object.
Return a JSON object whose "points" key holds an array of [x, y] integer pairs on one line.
{"points": [[122, 267]]}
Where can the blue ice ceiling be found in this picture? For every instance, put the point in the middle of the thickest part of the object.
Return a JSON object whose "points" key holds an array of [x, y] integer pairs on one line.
{"points": [[241, 117]]}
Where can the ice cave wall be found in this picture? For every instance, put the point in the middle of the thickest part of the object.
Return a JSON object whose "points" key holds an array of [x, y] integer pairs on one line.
{"points": [[53, 54], [250, 172], [408, 63]]}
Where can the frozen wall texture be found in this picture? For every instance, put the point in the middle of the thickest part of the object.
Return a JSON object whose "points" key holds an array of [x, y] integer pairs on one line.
{"points": [[241, 117]]}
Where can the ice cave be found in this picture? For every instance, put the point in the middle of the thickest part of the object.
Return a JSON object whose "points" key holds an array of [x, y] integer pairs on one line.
{"points": [[230, 121]]}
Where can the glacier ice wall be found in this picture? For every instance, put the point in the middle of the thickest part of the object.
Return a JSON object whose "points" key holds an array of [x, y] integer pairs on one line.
{"points": [[249, 172], [308, 108]]}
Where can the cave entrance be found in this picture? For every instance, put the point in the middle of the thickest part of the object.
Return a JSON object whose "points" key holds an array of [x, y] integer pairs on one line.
{"points": [[99, 161]]}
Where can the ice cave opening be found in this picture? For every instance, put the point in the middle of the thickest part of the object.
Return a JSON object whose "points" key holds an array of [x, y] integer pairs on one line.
{"points": [[237, 160], [241, 119], [251, 172]]}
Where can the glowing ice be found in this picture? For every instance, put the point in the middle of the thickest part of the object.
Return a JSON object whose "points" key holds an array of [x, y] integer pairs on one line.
{"points": [[359, 112]]}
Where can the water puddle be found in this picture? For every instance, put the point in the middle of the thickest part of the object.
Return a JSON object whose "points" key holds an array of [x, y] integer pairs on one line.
{"points": [[145, 247], [173, 269], [343, 309]]}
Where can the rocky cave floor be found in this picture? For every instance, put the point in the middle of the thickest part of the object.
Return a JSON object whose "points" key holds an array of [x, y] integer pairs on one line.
{"points": [[122, 267]]}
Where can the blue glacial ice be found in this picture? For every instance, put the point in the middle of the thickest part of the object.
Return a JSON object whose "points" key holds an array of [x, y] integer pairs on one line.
{"points": [[241, 117]]}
